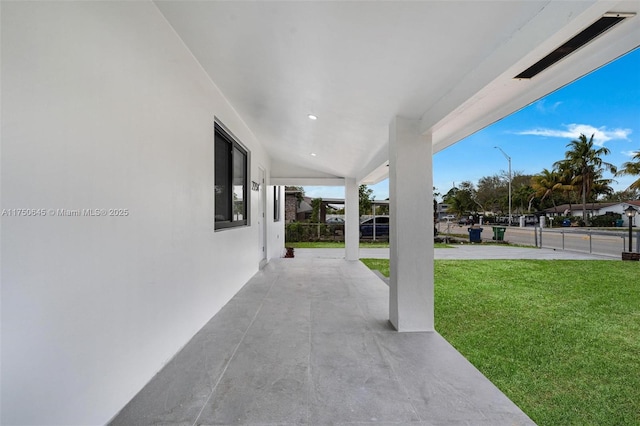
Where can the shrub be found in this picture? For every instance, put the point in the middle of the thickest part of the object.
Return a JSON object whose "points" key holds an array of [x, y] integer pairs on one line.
{"points": [[304, 232], [606, 220]]}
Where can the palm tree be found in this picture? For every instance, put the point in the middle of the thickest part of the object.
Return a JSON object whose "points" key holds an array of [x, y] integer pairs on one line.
{"points": [[632, 168], [545, 184], [601, 186], [586, 163]]}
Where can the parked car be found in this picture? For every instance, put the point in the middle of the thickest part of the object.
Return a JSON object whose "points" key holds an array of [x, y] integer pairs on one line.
{"points": [[335, 221], [449, 217], [530, 219], [381, 226]]}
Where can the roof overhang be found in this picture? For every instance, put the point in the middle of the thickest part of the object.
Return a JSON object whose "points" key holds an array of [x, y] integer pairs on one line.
{"points": [[357, 65]]}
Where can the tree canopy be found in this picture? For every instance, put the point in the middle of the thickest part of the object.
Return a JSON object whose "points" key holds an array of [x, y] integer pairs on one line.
{"points": [[364, 192], [578, 178], [585, 163], [632, 168]]}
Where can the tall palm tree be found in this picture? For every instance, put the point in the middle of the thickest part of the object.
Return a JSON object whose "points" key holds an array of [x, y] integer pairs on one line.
{"points": [[584, 159], [632, 168]]}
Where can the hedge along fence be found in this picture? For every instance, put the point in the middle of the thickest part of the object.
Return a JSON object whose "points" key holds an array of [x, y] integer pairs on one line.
{"points": [[303, 232]]}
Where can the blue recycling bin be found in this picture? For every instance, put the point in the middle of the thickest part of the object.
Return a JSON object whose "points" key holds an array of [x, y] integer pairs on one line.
{"points": [[474, 235]]}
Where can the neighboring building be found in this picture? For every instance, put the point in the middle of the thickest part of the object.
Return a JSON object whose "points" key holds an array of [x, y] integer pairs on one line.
{"points": [[297, 207], [443, 211], [146, 146], [594, 209]]}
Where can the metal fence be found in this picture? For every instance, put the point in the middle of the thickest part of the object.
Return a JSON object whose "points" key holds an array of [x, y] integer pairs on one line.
{"points": [[607, 243]]}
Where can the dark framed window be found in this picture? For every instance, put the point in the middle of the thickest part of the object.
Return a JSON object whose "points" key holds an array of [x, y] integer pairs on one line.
{"points": [[276, 203], [231, 177]]}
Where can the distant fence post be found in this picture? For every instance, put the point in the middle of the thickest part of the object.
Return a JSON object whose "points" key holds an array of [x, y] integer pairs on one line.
{"points": [[541, 231]]}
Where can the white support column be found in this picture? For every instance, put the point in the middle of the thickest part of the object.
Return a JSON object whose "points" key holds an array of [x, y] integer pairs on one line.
{"points": [[352, 219], [411, 227]]}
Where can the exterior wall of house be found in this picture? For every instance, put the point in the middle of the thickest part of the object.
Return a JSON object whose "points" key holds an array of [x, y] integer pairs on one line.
{"points": [[104, 108], [620, 209]]}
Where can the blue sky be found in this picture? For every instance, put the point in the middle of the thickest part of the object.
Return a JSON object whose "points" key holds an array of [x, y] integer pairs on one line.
{"points": [[605, 102]]}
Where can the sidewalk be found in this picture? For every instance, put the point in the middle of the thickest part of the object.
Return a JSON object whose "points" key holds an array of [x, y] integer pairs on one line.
{"points": [[462, 251]]}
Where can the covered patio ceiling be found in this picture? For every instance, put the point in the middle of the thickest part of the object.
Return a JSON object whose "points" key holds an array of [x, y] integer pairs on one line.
{"points": [[356, 65]]}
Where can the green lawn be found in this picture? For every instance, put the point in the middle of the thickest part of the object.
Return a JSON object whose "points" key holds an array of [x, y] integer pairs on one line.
{"points": [[560, 338], [381, 265]]}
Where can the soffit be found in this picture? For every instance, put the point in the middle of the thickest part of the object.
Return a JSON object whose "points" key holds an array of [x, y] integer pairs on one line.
{"points": [[356, 65]]}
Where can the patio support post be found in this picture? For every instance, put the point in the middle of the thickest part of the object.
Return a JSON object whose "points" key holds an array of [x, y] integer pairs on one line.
{"points": [[411, 227], [352, 219]]}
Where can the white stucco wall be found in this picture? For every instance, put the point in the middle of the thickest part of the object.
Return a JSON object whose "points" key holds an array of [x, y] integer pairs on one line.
{"points": [[104, 108], [275, 245]]}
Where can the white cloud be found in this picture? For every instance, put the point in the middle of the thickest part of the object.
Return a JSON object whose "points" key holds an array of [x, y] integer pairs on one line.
{"points": [[629, 154], [573, 131], [543, 108]]}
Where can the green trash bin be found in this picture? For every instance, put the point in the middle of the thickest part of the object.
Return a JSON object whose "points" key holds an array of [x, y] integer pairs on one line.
{"points": [[619, 223], [498, 233], [474, 235]]}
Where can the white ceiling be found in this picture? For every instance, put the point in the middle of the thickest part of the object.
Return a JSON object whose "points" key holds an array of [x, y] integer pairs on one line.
{"points": [[356, 65]]}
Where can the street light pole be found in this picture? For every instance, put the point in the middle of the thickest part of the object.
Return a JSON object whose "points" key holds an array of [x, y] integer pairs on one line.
{"points": [[631, 212], [509, 160]]}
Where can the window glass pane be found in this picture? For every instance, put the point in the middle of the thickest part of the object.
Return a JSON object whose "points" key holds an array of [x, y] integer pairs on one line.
{"points": [[222, 185], [231, 177], [239, 184]]}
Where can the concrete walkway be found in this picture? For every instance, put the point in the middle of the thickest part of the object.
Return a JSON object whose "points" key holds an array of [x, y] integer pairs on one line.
{"points": [[307, 342], [462, 251]]}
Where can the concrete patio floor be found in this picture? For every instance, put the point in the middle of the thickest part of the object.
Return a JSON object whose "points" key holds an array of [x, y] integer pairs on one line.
{"points": [[307, 341]]}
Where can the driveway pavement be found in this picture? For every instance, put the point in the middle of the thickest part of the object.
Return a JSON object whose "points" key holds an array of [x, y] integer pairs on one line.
{"points": [[462, 251]]}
